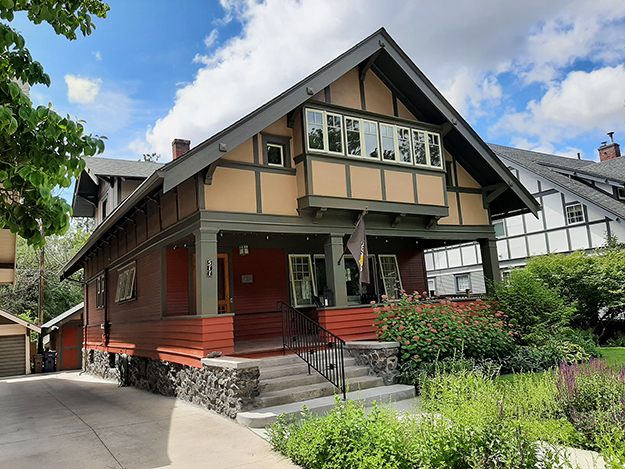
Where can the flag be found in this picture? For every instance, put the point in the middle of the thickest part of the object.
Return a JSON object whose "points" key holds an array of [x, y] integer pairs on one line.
{"points": [[357, 245]]}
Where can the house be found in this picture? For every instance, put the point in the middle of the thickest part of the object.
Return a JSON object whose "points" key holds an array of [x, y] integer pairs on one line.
{"points": [[8, 255], [66, 331], [15, 348], [105, 183], [583, 202], [196, 259]]}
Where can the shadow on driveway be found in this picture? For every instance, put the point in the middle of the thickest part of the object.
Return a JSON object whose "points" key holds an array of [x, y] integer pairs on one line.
{"points": [[64, 420]]}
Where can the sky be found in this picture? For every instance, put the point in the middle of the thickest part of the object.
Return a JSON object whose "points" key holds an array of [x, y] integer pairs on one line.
{"points": [[540, 75]]}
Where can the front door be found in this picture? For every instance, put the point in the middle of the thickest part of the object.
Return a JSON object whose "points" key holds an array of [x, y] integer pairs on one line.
{"points": [[223, 280]]}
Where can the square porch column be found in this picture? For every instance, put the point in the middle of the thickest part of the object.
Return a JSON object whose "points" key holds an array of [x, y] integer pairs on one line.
{"points": [[206, 274], [490, 261], [335, 273]]}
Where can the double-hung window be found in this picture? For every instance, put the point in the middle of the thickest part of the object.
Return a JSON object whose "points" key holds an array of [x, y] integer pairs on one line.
{"points": [[370, 131], [427, 148], [335, 133], [325, 131], [389, 269], [354, 138], [403, 145], [302, 279], [315, 130], [387, 133]]}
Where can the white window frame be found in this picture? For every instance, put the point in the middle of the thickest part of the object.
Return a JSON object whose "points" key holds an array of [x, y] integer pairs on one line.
{"points": [[126, 283], [327, 134], [397, 153], [440, 148], [365, 155], [393, 132], [313, 288], [569, 215], [503, 225], [384, 277], [360, 135], [281, 147], [457, 277], [430, 290]]}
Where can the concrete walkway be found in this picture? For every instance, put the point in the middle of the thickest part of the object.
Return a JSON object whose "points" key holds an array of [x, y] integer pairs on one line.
{"points": [[64, 420]]}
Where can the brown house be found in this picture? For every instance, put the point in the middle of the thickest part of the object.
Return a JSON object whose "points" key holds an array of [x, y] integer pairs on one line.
{"points": [[196, 259]]}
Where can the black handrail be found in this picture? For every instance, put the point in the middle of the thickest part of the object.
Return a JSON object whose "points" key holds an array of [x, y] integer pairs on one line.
{"points": [[317, 346]]}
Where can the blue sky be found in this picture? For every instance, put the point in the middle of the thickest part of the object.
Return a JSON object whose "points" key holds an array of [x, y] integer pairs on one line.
{"points": [[547, 76]]}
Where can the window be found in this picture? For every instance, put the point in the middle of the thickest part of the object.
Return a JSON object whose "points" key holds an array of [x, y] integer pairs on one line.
{"points": [[574, 214], [420, 155], [104, 208], [100, 289], [275, 154], [391, 278], [432, 286], [352, 130], [302, 281], [463, 283], [335, 133], [316, 137], [434, 147], [620, 193], [388, 142], [500, 228], [126, 283], [371, 139], [403, 145]]}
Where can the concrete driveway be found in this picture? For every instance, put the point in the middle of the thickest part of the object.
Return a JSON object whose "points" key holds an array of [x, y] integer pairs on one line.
{"points": [[64, 420]]}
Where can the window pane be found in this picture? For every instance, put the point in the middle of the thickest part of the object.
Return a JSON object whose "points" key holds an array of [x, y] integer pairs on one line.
{"points": [[371, 140], [435, 150], [403, 140], [388, 142], [575, 213], [499, 229], [419, 147], [462, 283], [315, 130], [275, 154], [353, 137], [390, 276], [301, 277], [335, 134]]}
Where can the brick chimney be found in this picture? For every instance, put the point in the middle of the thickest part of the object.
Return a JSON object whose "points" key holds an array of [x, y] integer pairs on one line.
{"points": [[179, 147], [608, 151]]}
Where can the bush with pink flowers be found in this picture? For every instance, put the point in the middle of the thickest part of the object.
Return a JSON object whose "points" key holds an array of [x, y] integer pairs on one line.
{"points": [[430, 330]]}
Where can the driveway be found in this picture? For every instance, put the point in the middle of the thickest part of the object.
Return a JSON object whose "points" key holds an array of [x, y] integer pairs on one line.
{"points": [[65, 420]]}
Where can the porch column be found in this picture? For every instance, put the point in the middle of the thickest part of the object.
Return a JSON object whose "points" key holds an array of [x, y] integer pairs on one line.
{"points": [[490, 261], [206, 274], [335, 274]]}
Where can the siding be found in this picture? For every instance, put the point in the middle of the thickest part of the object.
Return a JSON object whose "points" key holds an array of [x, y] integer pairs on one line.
{"points": [[12, 355], [268, 268], [177, 282], [412, 271], [180, 340], [349, 323]]}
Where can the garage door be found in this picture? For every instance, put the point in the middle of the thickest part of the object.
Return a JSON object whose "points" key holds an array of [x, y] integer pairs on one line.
{"points": [[12, 355]]}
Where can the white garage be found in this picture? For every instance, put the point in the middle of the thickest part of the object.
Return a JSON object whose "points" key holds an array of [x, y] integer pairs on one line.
{"points": [[14, 345]]}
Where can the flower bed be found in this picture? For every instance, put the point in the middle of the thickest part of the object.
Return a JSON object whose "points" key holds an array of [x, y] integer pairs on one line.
{"points": [[427, 331]]}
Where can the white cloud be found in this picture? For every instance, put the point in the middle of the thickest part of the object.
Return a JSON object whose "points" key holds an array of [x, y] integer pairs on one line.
{"points": [[82, 90], [98, 55], [211, 38], [581, 103], [463, 47]]}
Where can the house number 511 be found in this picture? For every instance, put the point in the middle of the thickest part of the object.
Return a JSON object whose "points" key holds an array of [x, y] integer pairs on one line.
{"points": [[209, 268]]}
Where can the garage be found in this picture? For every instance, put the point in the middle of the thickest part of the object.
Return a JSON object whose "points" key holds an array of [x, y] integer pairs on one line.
{"points": [[14, 345]]}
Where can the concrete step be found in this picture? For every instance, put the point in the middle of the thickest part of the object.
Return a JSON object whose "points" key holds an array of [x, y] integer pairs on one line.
{"points": [[289, 369], [312, 391], [305, 379], [262, 417]]}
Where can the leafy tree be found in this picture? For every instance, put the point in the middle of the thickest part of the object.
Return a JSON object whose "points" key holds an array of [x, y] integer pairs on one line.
{"points": [[39, 149], [58, 296], [151, 157]]}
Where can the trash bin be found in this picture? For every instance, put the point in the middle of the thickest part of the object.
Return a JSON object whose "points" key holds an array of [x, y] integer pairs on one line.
{"points": [[38, 361], [49, 362]]}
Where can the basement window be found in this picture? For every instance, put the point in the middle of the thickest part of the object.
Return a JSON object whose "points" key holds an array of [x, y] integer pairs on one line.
{"points": [[126, 283]]}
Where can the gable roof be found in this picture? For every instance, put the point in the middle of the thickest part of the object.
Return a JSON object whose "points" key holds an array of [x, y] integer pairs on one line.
{"points": [[64, 317], [420, 97], [548, 166], [20, 321]]}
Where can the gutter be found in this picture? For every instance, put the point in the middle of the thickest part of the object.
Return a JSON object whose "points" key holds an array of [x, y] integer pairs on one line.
{"points": [[151, 183]]}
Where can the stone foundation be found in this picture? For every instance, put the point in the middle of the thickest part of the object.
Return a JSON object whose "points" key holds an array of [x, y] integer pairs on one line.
{"points": [[226, 385], [380, 357]]}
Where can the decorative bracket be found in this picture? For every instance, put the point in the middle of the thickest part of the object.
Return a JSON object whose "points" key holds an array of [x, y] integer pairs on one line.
{"points": [[495, 191], [398, 218], [208, 179], [318, 214], [365, 68], [291, 116], [432, 221]]}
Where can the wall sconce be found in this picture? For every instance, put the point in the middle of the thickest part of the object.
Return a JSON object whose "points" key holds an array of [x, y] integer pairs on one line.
{"points": [[244, 250]]}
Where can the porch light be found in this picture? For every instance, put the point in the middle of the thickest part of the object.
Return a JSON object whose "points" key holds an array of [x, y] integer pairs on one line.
{"points": [[244, 250]]}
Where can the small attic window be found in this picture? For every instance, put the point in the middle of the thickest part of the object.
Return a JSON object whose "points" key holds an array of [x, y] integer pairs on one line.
{"points": [[275, 154], [620, 193], [276, 150]]}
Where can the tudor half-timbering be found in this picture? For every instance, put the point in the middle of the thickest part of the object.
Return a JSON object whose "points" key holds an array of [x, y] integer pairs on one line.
{"points": [[196, 259]]}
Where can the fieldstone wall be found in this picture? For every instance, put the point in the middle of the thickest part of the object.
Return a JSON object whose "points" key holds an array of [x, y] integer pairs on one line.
{"points": [[226, 386], [99, 364], [380, 357]]}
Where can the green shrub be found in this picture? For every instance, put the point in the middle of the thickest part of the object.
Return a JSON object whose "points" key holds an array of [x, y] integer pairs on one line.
{"points": [[548, 353], [617, 341], [531, 304], [426, 332]]}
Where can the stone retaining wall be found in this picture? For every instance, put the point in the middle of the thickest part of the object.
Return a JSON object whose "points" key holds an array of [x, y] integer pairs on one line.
{"points": [[380, 357], [226, 386]]}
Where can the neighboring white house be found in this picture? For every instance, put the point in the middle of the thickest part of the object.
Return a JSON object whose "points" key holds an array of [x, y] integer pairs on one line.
{"points": [[583, 201]]}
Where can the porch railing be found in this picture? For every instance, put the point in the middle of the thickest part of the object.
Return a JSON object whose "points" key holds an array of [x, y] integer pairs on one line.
{"points": [[317, 346]]}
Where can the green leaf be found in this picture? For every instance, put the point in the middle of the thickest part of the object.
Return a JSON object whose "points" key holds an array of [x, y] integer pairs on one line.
{"points": [[5, 115], [45, 192]]}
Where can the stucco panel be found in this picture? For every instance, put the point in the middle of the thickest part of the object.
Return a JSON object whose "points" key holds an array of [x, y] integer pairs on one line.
{"points": [[465, 179], [430, 190], [346, 90], [473, 211], [279, 194], [329, 179], [399, 186], [301, 179], [366, 183], [403, 112], [244, 152], [453, 218], [232, 190], [378, 98]]}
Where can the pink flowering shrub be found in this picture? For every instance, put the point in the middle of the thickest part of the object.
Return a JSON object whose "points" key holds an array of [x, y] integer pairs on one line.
{"points": [[443, 329]]}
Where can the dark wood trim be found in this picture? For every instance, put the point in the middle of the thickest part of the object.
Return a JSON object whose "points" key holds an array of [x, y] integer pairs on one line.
{"points": [[363, 101], [255, 167], [315, 201], [348, 180], [328, 94], [259, 193], [395, 106], [389, 165], [464, 190], [363, 68], [457, 195], [383, 183], [416, 191]]}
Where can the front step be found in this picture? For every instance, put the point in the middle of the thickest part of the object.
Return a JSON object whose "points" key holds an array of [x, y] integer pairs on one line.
{"points": [[266, 416]]}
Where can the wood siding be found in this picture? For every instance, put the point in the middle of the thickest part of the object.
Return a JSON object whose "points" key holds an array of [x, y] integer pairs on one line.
{"points": [[257, 326], [177, 282], [349, 323], [181, 340], [412, 270]]}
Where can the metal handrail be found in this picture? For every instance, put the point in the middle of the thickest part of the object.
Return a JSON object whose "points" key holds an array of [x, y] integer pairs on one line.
{"points": [[317, 346]]}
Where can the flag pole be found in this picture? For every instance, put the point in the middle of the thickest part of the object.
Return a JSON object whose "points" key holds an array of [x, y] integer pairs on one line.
{"points": [[364, 212]]}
